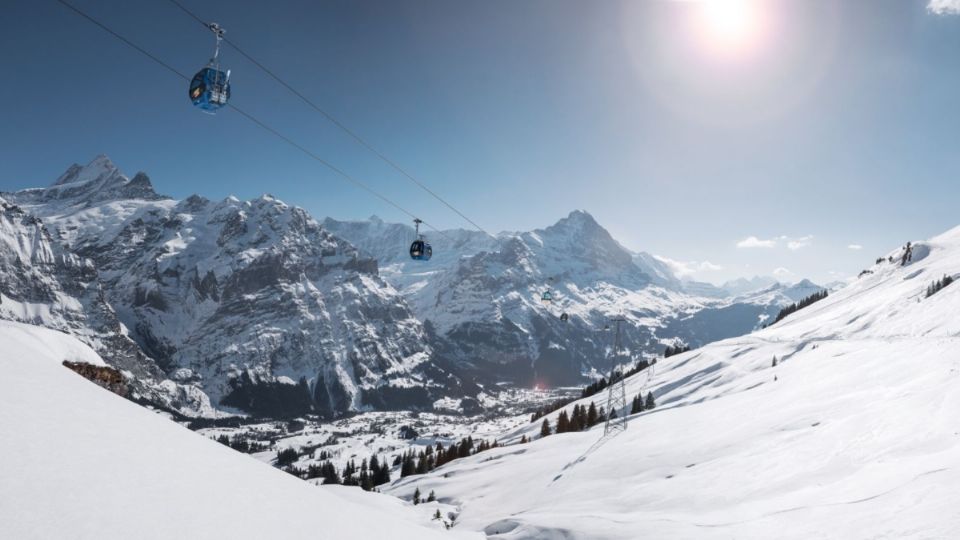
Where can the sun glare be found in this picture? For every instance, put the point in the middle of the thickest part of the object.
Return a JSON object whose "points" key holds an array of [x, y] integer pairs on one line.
{"points": [[730, 26]]}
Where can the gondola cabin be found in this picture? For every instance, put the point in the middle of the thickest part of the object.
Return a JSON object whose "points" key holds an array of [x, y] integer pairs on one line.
{"points": [[210, 89], [420, 250]]}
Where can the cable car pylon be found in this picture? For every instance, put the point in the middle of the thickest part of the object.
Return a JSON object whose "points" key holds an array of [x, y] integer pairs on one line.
{"points": [[617, 394]]}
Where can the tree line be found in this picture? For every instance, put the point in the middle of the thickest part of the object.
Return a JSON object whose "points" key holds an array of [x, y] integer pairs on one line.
{"points": [[370, 474], [593, 388], [938, 285], [795, 307], [584, 417]]}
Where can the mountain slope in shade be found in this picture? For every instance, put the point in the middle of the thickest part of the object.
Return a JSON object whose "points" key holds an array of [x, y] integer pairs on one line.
{"points": [[853, 434], [90, 464]]}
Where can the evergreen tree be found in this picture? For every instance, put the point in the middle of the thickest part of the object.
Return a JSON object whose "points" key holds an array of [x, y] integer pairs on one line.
{"points": [[578, 420], [774, 361], [523, 440], [793, 308], [329, 473], [407, 466], [637, 406], [416, 496], [422, 465], [466, 447], [563, 423], [545, 428], [592, 415], [441, 456], [431, 497], [286, 457], [375, 471], [938, 285], [650, 404]]}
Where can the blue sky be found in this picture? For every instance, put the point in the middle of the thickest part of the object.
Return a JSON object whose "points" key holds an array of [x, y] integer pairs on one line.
{"points": [[837, 125]]}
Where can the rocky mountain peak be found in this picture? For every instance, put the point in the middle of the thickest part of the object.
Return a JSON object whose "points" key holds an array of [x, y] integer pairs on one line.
{"points": [[96, 182], [578, 222], [100, 168]]}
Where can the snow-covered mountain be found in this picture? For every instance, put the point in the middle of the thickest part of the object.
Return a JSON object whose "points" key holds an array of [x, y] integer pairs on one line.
{"points": [[267, 311], [481, 297], [44, 283], [838, 422], [253, 301], [89, 464]]}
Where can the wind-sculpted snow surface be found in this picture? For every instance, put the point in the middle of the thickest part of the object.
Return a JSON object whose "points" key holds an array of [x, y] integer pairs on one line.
{"points": [[254, 301], [82, 463], [852, 434]]}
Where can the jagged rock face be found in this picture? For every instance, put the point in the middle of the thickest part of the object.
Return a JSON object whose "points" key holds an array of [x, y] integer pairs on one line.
{"points": [[481, 298], [490, 313], [253, 301], [100, 181], [45, 284], [267, 311]]}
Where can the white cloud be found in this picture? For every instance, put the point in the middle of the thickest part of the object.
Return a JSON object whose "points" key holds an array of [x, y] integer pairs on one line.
{"points": [[683, 269], [754, 242], [707, 266], [944, 7], [782, 273], [791, 243], [855, 247], [800, 243]]}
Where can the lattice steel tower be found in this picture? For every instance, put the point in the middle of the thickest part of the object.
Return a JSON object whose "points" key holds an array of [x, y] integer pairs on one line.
{"points": [[617, 395]]}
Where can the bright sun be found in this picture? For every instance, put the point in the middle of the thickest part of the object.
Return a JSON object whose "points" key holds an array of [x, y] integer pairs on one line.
{"points": [[730, 26]]}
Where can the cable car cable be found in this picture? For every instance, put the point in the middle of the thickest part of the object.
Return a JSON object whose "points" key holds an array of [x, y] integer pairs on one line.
{"points": [[335, 122], [252, 118]]}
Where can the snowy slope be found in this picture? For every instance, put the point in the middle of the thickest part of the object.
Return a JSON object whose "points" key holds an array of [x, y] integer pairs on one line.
{"points": [[854, 434], [80, 462]]}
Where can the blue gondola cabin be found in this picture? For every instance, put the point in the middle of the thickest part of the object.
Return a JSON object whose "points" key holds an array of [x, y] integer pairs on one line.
{"points": [[210, 89], [420, 251]]}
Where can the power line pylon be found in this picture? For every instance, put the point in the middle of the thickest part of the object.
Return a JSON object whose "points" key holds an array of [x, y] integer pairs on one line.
{"points": [[617, 394]]}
